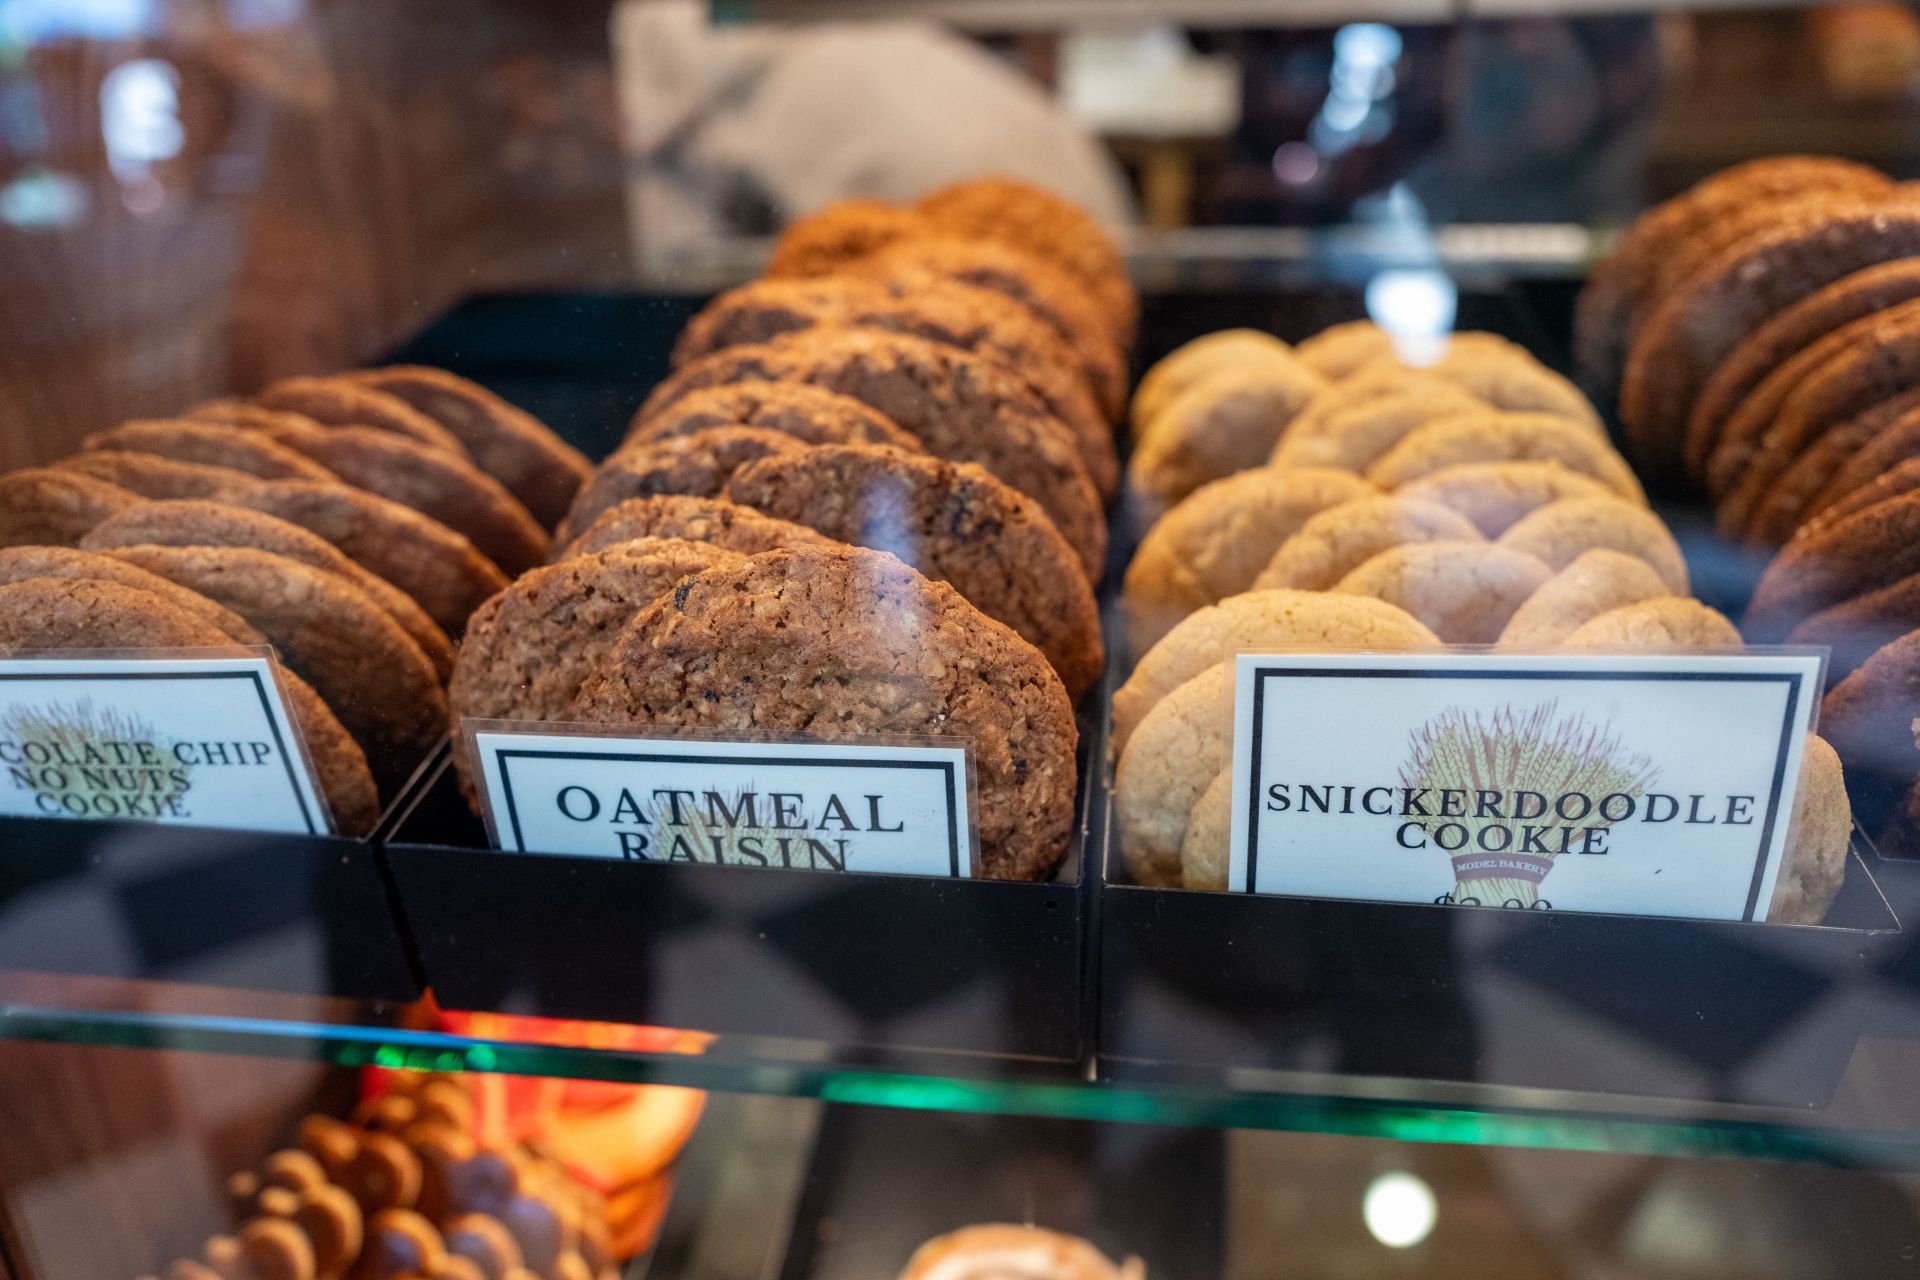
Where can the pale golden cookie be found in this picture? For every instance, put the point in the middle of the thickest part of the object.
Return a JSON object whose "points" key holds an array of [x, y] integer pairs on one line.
{"points": [[1188, 365], [1203, 853], [1382, 381], [1353, 437], [1344, 349], [1666, 622], [1817, 839], [1341, 539], [1504, 437], [1169, 760], [1257, 619], [1596, 581], [1558, 532], [1464, 591], [1497, 495], [1225, 424], [1505, 376], [1215, 541]]}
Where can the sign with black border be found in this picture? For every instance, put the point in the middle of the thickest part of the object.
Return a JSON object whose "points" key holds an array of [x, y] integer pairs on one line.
{"points": [[902, 806], [1629, 782], [197, 737]]}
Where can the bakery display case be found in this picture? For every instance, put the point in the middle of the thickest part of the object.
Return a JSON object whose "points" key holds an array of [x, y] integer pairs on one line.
{"points": [[1268, 642]]}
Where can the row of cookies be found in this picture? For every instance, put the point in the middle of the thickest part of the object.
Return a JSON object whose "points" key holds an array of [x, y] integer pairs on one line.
{"points": [[407, 1191], [336, 519], [1173, 717], [1407, 483]]}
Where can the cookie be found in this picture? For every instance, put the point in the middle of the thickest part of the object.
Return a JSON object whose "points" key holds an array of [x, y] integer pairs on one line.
{"points": [[1284, 619], [1465, 592], [1383, 380], [1178, 748], [1868, 717], [1354, 436], [211, 444], [1596, 581], [983, 323], [90, 614], [822, 631], [1818, 835], [152, 476], [18, 564], [538, 468], [725, 524], [993, 1249], [276, 1249], [530, 648], [1834, 561], [444, 573], [1203, 851], [1700, 322], [1340, 539], [960, 407], [1560, 531], [1497, 495], [1030, 218], [840, 235], [1878, 364], [1213, 543], [1222, 424], [1055, 297], [1874, 468], [1853, 629], [373, 676], [1664, 622], [1785, 335], [1618, 294], [1508, 378], [342, 402], [229, 411], [49, 507], [435, 483], [955, 523], [195, 523], [1847, 493], [811, 415], [1504, 437], [1787, 499], [696, 465], [1197, 360], [1342, 350]]}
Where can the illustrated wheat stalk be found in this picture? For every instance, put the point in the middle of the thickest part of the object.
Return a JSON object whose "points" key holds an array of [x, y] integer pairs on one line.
{"points": [[721, 845], [75, 728]]}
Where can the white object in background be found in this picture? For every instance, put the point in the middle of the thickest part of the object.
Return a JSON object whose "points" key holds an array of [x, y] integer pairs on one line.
{"points": [[1148, 84]]}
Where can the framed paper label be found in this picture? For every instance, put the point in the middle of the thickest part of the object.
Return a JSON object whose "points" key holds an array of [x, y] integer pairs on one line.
{"points": [[194, 738], [1638, 783], [890, 806]]}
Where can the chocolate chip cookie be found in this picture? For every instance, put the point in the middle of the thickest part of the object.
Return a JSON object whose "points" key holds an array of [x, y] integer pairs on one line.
{"points": [[18, 564], [45, 506], [211, 444], [843, 233], [846, 644], [341, 402]]}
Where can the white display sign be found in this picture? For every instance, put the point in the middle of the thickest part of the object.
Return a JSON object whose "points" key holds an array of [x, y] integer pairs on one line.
{"points": [[186, 738], [813, 805], [1646, 784]]}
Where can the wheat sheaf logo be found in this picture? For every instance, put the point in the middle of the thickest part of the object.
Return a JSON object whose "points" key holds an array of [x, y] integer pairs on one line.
{"points": [[734, 829], [1576, 769], [91, 762]]}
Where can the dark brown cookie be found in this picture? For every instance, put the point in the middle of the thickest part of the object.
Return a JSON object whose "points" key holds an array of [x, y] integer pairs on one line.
{"points": [[17, 564], [957, 315], [341, 402], [1877, 365], [840, 235], [1830, 562], [959, 406], [211, 444], [48, 507], [811, 415], [90, 614], [1703, 319], [1868, 717], [846, 644], [1788, 499], [1052, 295], [1784, 336], [443, 572], [541, 470], [330, 634], [1854, 628], [1028, 217], [1619, 294], [1873, 465], [152, 476], [531, 647], [715, 520], [697, 465], [431, 481], [193, 523], [954, 522]]}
